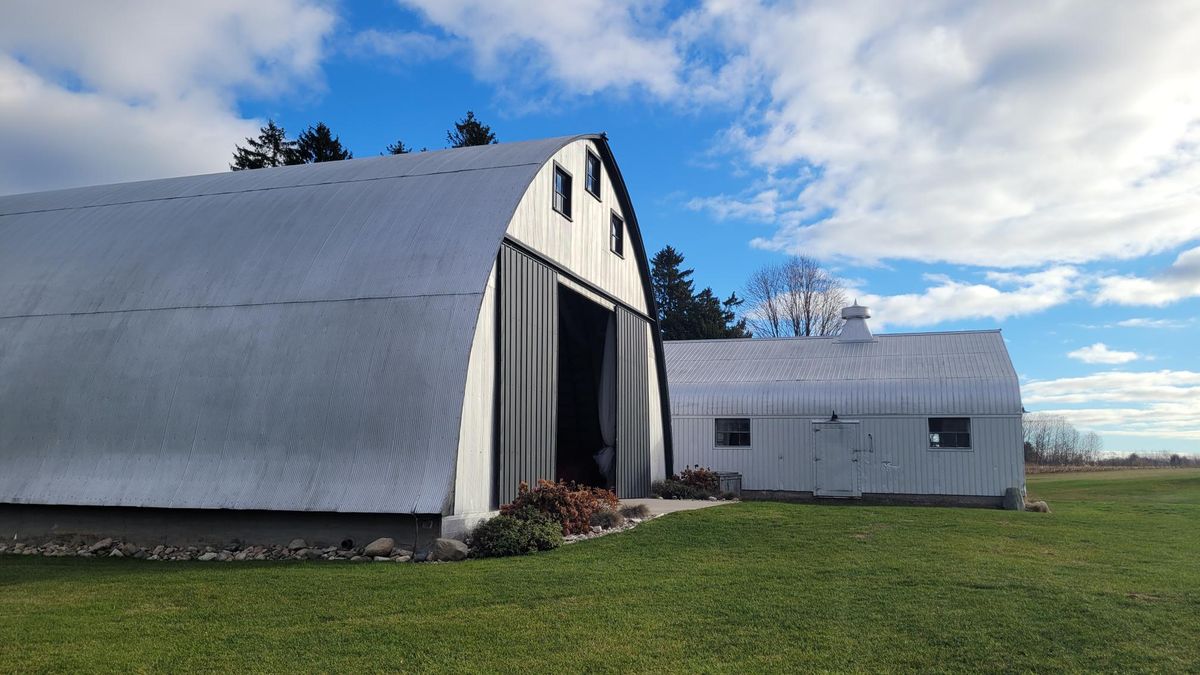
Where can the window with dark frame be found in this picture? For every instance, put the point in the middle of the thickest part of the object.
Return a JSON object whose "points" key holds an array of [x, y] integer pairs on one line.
{"points": [[562, 191], [591, 174], [950, 433], [616, 235], [732, 432]]}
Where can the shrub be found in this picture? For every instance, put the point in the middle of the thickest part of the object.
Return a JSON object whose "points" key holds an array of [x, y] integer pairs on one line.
{"points": [[509, 535], [568, 504], [699, 477], [672, 488], [638, 511], [607, 518]]}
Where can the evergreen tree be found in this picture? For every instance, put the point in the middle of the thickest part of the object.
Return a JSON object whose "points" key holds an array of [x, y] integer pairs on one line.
{"points": [[318, 144], [684, 314], [271, 148], [470, 131], [398, 148]]}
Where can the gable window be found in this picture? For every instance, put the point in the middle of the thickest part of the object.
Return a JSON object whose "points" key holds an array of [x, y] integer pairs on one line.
{"points": [[950, 432], [562, 191], [732, 432], [616, 235], [591, 174]]}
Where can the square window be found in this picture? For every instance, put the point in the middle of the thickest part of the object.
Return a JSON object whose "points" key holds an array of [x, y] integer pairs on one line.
{"points": [[732, 432], [591, 175], [562, 191], [950, 433], [616, 235]]}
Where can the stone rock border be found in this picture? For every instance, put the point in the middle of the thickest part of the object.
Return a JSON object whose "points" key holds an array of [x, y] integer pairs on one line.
{"points": [[598, 531], [380, 550]]}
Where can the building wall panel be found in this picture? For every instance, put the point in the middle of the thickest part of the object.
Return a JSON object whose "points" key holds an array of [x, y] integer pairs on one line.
{"points": [[475, 472], [528, 406], [633, 406]]}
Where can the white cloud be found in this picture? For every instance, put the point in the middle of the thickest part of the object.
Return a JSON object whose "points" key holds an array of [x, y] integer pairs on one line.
{"points": [[585, 46], [1143, 322], [1100, 353], [1164, 403], [1006, 295], [403, 46], [1178, 282], [103, 92], [1064, 132]]}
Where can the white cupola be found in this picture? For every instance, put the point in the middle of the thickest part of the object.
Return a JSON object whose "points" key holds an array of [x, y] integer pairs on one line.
{"points": [[855, 329]]}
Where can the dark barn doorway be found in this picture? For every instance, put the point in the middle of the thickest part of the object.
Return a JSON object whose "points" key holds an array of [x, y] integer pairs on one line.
{"points": [[586, 391]]}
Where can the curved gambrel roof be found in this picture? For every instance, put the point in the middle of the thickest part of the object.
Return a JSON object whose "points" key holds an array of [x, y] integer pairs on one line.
{"points": [[961, 373], [291, 339]]}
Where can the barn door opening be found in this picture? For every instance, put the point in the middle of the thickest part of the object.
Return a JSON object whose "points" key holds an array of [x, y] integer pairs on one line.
{"points": [[834, 445], [587, 422]]}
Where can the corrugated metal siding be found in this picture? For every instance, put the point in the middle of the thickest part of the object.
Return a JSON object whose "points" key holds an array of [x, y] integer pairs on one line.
{"points": [[633, 406], [654, 386], [528, 372], [933, 373], [292, 338]]}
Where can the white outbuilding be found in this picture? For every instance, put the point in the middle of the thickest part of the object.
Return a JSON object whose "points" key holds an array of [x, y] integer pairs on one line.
{"points": [[912, 417]]}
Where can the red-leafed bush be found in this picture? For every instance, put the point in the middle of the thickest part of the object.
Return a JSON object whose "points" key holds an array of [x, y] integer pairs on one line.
{"points": [[567, 503], [699, 477]]}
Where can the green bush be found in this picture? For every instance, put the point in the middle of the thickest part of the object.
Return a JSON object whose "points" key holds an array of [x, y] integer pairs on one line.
{"points": [[510, 535], [672, 488], [638, 511], [699, 477], [607, 518]]}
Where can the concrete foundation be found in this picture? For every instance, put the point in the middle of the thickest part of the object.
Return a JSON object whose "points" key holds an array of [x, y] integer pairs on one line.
{"points": [[971, 501], [145, 527]]}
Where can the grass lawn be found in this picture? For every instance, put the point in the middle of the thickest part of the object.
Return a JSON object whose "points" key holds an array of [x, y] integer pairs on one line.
{"points": [[1109, 581]]}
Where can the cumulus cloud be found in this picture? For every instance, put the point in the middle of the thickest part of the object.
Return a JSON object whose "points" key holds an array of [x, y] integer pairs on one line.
{"points": [[1178, 282], [584, 46], [102, 92], [1007, 294], [1164, 403], [1100, 353], [1062, 132]]}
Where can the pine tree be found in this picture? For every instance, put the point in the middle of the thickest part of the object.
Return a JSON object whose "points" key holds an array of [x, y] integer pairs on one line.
{"points": [[318, 144], [271, 148], [684, 314], [398, 148], [470, 131]]}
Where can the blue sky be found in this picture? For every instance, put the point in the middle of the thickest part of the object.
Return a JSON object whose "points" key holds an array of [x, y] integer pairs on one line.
{"points": [[960, 165]]}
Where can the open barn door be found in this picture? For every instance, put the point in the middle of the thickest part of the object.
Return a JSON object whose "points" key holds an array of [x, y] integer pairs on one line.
{"points": [[528, 373], [633, 406]]}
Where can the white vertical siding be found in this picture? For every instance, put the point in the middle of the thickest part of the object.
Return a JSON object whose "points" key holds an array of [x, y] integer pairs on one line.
{"points": [[580, 244], [658, 459], [894, 458], [473, 475]]}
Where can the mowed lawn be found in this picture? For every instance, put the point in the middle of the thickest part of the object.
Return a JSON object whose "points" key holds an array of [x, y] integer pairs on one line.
{"points": [[1109, 581]]}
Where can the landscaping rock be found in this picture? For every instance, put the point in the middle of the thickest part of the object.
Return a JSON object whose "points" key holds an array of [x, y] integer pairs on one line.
{"points": [[1039, 506], [447, 550], [207, 557], [297, 544], [380, 547], [1013, 500], [102, 544], [360, 558]]}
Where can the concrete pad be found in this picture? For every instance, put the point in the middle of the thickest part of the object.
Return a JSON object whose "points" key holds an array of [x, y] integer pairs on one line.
{"points": [[659, 507]]}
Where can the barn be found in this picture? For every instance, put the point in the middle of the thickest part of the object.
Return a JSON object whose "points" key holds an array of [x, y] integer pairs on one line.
{"points": [[375, 347], [913, 418]]}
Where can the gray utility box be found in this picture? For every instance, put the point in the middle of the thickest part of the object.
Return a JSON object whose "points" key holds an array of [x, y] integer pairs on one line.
{"points": [[729, 481]]}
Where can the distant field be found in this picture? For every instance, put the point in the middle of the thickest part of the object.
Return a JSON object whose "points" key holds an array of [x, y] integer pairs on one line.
{"points": [[1109, 581]]}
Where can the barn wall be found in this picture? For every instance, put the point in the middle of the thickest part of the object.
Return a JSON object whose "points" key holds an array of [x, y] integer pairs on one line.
{"points": [[580, 244], [633, 414], [658, 464], [528, 405], [781, 456], [474, 476]]}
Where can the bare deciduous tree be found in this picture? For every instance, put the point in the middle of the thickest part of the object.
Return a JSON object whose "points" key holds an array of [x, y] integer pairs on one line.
{"points": [[797, 297]]}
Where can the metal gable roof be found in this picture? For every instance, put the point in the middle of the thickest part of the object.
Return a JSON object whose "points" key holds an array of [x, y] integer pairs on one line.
{"points": [[911, 374], [293, 338]]}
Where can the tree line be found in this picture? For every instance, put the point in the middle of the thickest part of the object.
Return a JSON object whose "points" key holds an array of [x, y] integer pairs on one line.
{"points": [[318, 143], [1050, 440]]}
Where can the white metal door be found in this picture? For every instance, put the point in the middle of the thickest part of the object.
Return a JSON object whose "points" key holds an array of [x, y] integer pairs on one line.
{"points": [[836, 461]]}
